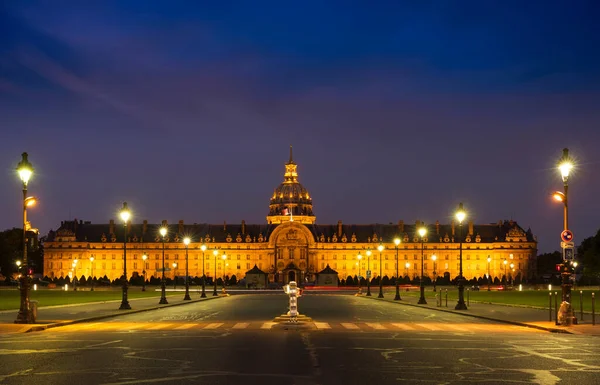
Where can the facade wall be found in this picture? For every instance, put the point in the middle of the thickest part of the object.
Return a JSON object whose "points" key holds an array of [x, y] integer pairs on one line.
{"points": [[280, 249]]}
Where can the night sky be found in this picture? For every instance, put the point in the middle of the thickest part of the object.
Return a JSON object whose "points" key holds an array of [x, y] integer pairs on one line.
{"points": [[396, 110]]}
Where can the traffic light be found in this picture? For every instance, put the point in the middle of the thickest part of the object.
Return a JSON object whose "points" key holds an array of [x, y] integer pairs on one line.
{"points": [[558, 267]]}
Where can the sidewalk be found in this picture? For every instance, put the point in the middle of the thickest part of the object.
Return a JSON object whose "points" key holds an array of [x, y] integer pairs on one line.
{"points": [[53, 316], [515, 315]]}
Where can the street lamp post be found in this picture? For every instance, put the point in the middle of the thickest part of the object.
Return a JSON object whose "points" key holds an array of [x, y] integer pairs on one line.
{"points": [[163, 283], [203, 295], [512, 270], [215, 253], [460, 216], [75, 274], [92, 269], [359, 257], [368, 272], [125, 215], [224, 257], [144, 257], [397, 297], [186, 242], [565, 166], [174, 275], [25, 170], [18, 263], [380, 248], [489, 259], [422, 233], [434, 259], [505, 275]]}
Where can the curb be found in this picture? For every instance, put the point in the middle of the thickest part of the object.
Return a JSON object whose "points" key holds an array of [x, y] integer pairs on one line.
{"points": [[517, 323], [38, 328]]}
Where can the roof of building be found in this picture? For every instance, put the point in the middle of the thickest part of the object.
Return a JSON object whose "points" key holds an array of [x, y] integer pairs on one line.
{"points": [[250, 233], [255, 270], [327, 270]]}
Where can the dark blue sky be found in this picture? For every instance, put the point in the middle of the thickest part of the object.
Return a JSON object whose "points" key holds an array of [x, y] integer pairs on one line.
{"points": [[396, 110]]}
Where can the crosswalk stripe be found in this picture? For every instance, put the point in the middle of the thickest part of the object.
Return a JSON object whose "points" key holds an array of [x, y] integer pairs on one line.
{"points": [[159, 326], [185, 326], [460, 329], [403, 326], [350, 326], [375, 325], [241, 325], [267, 325], [429, 326], [213, 325], [132, 326], [322, 325]]}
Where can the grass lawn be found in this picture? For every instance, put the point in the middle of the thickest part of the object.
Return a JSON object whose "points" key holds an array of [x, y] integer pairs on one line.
{"points": [[10, 298], [537, 298]]}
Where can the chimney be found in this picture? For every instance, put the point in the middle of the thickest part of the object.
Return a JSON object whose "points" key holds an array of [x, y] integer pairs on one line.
{"points": [[453, 229], [401, 226], [500, 223], [471, 228], [180, 227], [437, 227], [144, 227], [111, 226], [339, 229], [243, 226], [224, 226]]}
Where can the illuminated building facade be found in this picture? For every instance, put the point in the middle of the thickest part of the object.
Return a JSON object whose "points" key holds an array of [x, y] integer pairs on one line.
{"points": [[292, 246]]}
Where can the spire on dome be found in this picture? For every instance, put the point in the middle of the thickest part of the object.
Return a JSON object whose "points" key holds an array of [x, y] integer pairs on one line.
{"points": [[291, 157], [291, 174]]}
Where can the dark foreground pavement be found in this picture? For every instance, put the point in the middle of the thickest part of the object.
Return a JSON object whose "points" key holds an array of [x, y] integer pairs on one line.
{"points": [[353, 340]]}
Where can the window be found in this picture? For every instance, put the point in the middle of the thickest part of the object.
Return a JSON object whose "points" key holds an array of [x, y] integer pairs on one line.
{"points": [[114, 266], [135, 265]]}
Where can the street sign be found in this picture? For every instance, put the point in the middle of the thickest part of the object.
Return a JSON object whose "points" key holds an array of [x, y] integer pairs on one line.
{"points": [[569, 254], [566, 235], [567, 245], [368, 273]]}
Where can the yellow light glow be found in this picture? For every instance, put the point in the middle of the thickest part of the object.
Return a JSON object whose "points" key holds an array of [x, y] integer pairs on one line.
{"points": [[125, 213], [359, 256], [18, 263], [511, 256], [224, 257], [174, 265], [396, 241], [433, 257], [30, 201], [144, 257], [575, 264], [512, 265], [565, 168], [505, 261], [91, 259], [407, 265], [368, 253], [380, 247], [489, 259], [186, 241], [203, 247], [215, 252], [25, 174], [422, 231], [163, 231], [558, 196]]}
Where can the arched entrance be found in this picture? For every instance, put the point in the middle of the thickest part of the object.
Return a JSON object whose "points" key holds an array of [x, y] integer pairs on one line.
{"points": [[291, 276]]}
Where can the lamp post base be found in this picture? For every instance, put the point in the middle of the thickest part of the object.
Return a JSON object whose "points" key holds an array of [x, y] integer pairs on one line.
{"points": [[397, 297], [203, 295], [380, 292], [187, 294], [25, 315], [422, 300], [215, 291], [368, 291], [124, 302], [163, 294], [461, 305]]}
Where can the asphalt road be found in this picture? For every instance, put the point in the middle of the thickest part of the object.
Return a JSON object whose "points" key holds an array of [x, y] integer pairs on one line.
{"points": [[351, 341]]}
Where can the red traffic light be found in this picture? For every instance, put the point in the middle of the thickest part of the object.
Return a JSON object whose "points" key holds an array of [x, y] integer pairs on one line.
{"points": [[558, 266]]}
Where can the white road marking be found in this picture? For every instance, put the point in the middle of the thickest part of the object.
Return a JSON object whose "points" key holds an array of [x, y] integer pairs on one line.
{"points": [[322, 325], [376, 326], [267, 325], [214, 325], [349, 326], [429, 327], [185, 326], [241, 325], [160, 326], [403, 326]]}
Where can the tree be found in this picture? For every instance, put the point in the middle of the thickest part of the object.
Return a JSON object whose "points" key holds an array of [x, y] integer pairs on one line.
{"points": [[11, 250], [546, 263], [589, 255]]}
